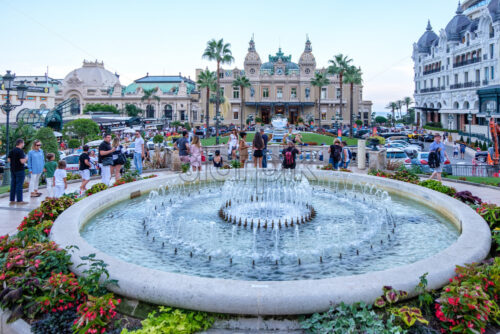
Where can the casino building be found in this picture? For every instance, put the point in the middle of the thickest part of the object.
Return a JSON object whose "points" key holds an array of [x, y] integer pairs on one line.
{"points": [[283, 87], [457, 82]]}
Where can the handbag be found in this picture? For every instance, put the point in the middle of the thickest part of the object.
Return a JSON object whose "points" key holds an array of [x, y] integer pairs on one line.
{"points": [[203, 159]]}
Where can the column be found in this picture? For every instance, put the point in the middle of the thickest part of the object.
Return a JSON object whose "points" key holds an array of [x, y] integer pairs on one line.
{"points": [[361, 156]]}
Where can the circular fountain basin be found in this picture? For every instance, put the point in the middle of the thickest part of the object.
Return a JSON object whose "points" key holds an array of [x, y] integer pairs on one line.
{"points": [[263, 281]]}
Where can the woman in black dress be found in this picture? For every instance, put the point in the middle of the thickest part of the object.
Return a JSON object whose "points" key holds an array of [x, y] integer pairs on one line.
{"points": [[258, 146]]}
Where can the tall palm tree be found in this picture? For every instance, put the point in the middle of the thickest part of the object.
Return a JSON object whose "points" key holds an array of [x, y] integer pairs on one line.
{"points": [[221, 53], [407, 101], [150, 94], [320, 80], [242, 82], [353, 76], [393, 106], [207, 80], [339, 65], [400, 104]]}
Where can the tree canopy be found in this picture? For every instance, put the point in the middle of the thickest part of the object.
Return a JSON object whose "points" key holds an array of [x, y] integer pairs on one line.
{"points": [[132, 110], [49, 141], [81, 128], [99, 107]]}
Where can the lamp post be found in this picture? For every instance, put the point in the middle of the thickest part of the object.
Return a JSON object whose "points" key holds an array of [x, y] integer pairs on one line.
{"points": [[469, 118], [488, 117], [8, 85]]}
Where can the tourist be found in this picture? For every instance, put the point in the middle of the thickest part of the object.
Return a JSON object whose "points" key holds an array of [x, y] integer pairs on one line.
{"points": [[17, 159], [182, 145], [49, 168], [298, 139], [335, 151], [119, 158], [217, 160], [36, 160], [84, 168], [445, 137], [60, 182], [456, 147], [265, 138], [290, 156], [138, 151], [243, 148], [232, 145], [258, 147], [289, 136], [346, 155], [438, 147], [196, 152], [462, 150], [93, 163], [106, 159]]}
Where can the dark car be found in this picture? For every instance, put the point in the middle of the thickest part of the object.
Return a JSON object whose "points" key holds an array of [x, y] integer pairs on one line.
{"points": [[426, 138], [2, 165], [361, 133]]}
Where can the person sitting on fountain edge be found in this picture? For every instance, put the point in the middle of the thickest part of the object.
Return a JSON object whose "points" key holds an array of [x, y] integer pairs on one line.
{"points": [[290, 156]]}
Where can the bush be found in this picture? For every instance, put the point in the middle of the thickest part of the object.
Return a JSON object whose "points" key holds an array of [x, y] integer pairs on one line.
{"points": [[467, 198], [381, 140], [57, 322], [95, 314], [132, 110], [438, 186], [49, 141], [170, 320], [73, 143], [96, 188], [158, 139], [99, 107]]}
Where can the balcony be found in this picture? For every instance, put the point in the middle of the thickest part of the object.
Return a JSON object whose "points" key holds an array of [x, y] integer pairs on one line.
{"points": [[436, 70], [432, 89], [485, 82], [457, 86], [466, 62]]}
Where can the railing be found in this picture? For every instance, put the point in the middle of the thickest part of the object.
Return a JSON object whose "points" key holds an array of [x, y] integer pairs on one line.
{"points": [[482, 170], [457, 86], [432, 89], [466, 62], [436, 70]]}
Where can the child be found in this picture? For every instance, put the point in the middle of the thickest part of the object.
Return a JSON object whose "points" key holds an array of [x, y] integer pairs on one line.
{"points": [[217, 159], [49, 168], [60, 179]]}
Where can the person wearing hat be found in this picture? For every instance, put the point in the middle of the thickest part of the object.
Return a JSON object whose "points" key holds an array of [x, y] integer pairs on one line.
{"points": [[438, 147]]}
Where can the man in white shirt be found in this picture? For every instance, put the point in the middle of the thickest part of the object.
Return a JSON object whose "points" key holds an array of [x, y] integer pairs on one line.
{"points": [[138, 151]]}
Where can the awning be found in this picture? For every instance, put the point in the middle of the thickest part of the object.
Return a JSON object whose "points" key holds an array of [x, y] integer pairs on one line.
{"points": [[57, 134], [458, 111]]}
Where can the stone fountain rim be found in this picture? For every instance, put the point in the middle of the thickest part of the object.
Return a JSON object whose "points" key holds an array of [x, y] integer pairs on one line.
{"points": [[274, 297]]}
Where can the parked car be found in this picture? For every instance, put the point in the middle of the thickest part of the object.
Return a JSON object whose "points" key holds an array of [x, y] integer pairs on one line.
{"points": [[396, 155], [403, 143], [2, 165], [72, 163], [62, 155], [428, 138], [422, 160]]}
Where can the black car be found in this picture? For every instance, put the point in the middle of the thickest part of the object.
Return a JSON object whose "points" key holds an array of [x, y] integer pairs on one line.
{"points": [[2, 165], [426, 138]]}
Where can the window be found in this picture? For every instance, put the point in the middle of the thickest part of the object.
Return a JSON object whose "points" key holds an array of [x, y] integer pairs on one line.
{"points": [[183, 115], [456, 79], [492, 73], [448, 80], [293, 93], [439, 82], [323, 114], [486, 73], [279, 93], [236, 92], [492, 50], [466, 77], [265, 92], [195, 115], [432, 83], [478, 75], [221, 75], [323, 92], [337, 93], [425, 84], [235, 114], [360, 94]]}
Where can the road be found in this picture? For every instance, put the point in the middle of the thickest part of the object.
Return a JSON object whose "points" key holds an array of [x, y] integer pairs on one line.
{"points": [[449, 151]]}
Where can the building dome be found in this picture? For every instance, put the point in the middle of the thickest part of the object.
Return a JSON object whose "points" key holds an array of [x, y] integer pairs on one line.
{"points": [[252, 56], [426, 41], [93, 74], [307, 58], [267, 66], [457, 25], [291, 66], [494, 9]]}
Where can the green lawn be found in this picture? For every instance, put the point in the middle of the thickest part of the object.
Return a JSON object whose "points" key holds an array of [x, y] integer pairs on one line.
{"points": [[306, 137], [4, 189], [494, 181]]}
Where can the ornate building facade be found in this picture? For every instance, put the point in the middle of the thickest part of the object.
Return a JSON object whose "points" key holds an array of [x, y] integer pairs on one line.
{"points": [[453, 67], [283, 87]]}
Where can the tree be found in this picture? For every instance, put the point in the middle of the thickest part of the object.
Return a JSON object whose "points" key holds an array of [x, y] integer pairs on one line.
{"points": [[99, 107], [399, 104], [320, 80], [49, 141], [73, 143], [407, 101], [221, 53], [359, 122], [22, 131], [353, 76], [158, 139], [340, 64], [241, 82], [393, 106], [150, 94], [81, 128], [207, 80], [132, 110], [380, 120]]}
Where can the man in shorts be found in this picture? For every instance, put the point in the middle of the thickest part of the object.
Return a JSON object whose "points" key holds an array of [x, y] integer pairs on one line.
{"points": [[438, 147], [84, 168]]}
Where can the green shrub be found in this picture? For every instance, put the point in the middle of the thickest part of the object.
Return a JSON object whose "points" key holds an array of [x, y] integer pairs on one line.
{"points": [[74, 143], [99, 107], [158, 139], [170, 320], [55, 322], [96, 188], [381, 140], [438, 186]]}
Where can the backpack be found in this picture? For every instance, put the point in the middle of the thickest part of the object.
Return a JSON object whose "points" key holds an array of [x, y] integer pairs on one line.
{"points": [[349, 153], [337, 153], [433, 159], [288, 161]]}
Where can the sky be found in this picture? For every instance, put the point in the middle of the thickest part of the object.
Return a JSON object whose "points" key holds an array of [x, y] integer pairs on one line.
{"points": [[168, 37]]}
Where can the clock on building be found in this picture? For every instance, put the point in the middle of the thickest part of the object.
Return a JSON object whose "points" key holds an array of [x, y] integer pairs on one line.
{"points": [[252, 70], [307, 71], [279, 70]]}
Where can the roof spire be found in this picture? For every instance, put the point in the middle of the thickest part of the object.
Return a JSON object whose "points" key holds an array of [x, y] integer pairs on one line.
{"points": [[251, 45], [308, 47], [429, 27], [460, 10]]}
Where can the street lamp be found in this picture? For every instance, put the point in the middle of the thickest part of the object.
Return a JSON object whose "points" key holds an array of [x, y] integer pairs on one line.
{"points": [[469, 118], [22, 89], [488, 117]]}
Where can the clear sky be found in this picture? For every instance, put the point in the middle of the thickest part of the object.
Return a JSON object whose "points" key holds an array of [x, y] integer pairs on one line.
{"points": [[168, 37]]}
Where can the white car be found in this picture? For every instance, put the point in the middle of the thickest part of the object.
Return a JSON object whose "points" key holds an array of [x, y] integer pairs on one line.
{"points": [[62, 155], [396, 155], [403, 144], [72, 163]]}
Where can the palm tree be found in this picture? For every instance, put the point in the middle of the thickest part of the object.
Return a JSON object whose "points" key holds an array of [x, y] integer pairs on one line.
{"points": [[352, 76], [221, 53], [150, 94], [241, 82], [400, 104], [320, 80], [407, 101], [393, 106], [206, 79], [340, 63]]}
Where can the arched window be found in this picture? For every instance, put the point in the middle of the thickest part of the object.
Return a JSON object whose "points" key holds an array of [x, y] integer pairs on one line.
{"points": [[150, 111], [466, 105], [455, 105], [167, 111]]}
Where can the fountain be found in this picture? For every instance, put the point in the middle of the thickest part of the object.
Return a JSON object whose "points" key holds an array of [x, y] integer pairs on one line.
{"points": [[246, 243]]}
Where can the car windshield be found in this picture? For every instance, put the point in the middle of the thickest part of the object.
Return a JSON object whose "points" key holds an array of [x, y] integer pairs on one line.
{"points": [[396, 155], [424, 156], [71, 160]]}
